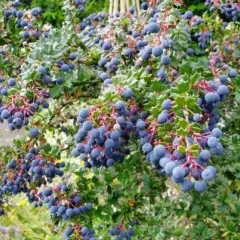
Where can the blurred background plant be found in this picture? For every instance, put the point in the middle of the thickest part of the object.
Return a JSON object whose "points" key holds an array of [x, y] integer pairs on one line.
{"points": [[52, 9]]}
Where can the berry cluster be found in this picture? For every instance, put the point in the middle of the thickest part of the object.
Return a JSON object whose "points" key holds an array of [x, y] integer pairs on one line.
{"points": [[203, 38], [80, 4], [20, 107], [85, 232], [25, 20], [29, 171], [63, 202], [62, 66], [120, 233], [90, 21], [106, 144], [103, 136], [230, 9]]}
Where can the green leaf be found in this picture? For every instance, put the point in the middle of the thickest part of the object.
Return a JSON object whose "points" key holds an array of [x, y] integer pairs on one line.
{"points": [[183, 123], [182, 132], [237, 97], [181, 149], [55, 91], [180, 100], [195, 77], [194, 147], [46, 148]]}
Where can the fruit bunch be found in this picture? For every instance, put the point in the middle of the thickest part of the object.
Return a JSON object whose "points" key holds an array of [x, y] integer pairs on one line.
{"points": [[63, 202], [83, 232], [230, 9], [26, 21], [103, 135], [20, 107], [29, 171], [119, 232]]}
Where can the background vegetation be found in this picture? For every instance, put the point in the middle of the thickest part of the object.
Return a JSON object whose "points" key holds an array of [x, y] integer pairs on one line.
{"points": [[52, 9], [214, 215]]}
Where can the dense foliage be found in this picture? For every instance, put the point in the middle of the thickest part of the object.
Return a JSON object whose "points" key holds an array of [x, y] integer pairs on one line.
{"points": [[125, 119], [52, 10]]}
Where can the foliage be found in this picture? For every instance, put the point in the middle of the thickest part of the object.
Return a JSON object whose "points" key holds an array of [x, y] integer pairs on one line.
{"points": [[152, 91], [196, 6], [52, 11], [94, 7]]}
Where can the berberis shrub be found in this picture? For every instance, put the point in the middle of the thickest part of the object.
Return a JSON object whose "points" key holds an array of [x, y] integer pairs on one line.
{"points": [[121, 113]]}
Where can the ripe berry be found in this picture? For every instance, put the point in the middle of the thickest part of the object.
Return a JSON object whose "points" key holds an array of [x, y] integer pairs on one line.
{"points": [[153, 28], [157, 51], [165, 60], [144, 6], [12, 82], [128, 93], [200, 186], [34, 132]]}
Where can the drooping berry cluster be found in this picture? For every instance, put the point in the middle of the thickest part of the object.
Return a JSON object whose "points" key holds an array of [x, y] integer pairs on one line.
{"points": [[203, 38], [103, 137], [119, 232], [80, 4], [63, 202], [230, 9], [20, 107], [28, 172], [25, 20], [83, 232]]}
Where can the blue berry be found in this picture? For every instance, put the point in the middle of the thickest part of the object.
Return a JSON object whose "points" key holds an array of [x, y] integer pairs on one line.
{"points": [[207, 174], [216, 132], [212, 142], [104, 76], [147, 147], [169, 167], [223, 78], [59, 80], [188, 14], [109, 143], [157, 51], [233, 74], [222, 90], [165, 60], [190, 51], [106, 46], [87, 125], [141, 124], [186, 185], [34, 132], [178, 172], [73, 56], [211, 97], [65, 67], [205, 155], [129, 52], [120, 105], [162, 118], [84, 113], [153, 28], [110, 162], [42, 70], [200, 186], [218, 150], [167, 104], [5, 114], [128, 93], [144, 6], [196, 117]]}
